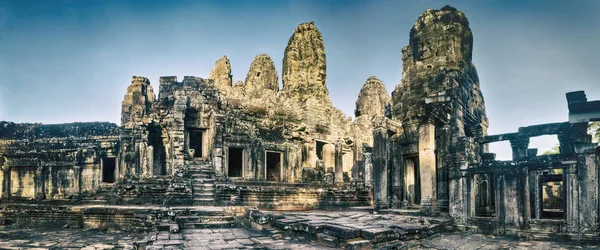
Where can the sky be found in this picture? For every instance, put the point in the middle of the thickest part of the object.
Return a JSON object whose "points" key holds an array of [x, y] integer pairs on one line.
{"points": [[66, 61]]}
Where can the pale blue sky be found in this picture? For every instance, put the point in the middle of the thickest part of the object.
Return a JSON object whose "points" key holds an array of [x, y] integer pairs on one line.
{"points": [[65, 61]]}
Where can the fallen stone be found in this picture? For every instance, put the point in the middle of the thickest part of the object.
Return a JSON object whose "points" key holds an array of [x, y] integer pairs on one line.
{"points": [[341, 231], [327, 240], [377, 235], [359, 245]]}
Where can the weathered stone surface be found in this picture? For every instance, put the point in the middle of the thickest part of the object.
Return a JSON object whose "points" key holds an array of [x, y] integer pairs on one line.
{"points": [[372, 99], [304, 68], [221, 73], [359, 245], [342, 232], [211, 142], [137, 102], [262, 75], [437, 61]]}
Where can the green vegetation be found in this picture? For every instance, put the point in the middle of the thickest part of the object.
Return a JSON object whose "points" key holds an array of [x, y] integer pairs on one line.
{"points": [[554, 150], [594, 130]]}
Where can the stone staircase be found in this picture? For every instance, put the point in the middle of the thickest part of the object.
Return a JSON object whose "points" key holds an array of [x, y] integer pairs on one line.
{"points": [[203, 184]]}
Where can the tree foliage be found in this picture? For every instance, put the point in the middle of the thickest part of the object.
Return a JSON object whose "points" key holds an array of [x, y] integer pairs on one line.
{"points": [[553, 150], [594, 130]]}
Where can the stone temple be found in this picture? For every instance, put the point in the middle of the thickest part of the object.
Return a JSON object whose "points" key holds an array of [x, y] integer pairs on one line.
{"points": [[213, 153]]}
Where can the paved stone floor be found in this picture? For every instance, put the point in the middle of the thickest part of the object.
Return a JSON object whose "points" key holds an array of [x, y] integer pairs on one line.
{"points": [[241, 239], [61, 238]]}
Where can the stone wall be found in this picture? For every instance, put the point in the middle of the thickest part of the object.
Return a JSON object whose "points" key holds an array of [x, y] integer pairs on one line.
{"points": [[65, 162]]}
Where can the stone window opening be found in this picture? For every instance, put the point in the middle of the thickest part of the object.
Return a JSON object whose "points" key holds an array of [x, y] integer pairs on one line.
{"points": [[273, 166], [551, 198], [235, 162], [108, 169], [258, 74], [196, 142]]}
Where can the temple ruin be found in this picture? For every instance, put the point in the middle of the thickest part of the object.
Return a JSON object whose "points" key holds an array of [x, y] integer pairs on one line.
{"points": [[423, 151]]}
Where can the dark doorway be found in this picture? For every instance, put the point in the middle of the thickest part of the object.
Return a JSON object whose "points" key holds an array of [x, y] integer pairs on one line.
{"points": [[159, 152], [235, 160], [320, 145], [108, 170], [196, 139], [273, 166]]}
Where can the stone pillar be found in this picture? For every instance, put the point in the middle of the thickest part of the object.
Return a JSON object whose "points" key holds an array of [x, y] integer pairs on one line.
{"points": [[39, 183], [427, 167], [519, 147], [77, 173], [51, 187], [368, 170], [6, 183], [380, 173], [397, 171], [6, 179], [339, 163]]}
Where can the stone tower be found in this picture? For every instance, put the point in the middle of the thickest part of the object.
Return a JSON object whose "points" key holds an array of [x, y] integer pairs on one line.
{"points": [[137, 102], [262, 75], [439, 102], [221, 73], [304, 67], [372, 99]]}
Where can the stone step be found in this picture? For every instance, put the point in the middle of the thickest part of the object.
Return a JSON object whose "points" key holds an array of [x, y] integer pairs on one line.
{"points": [[200, 176], [204, 186], [203, 195], [210, 224], [204, 199], [199, 166], [203, 219], [203, 181], [198, 162], [203, 169], [193, 172]]}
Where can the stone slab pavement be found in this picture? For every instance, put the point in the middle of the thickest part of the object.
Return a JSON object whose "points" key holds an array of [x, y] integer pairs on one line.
{"points": [[63, 238]]}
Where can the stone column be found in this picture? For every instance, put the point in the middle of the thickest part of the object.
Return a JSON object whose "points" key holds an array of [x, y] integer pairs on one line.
{"points": [[6, 180], [427, 167], [368, 170], [397, 170], [519, 147], [339, 166], [51, 187], [6, 183], [39, 183], [77, 173], [380, 173]]}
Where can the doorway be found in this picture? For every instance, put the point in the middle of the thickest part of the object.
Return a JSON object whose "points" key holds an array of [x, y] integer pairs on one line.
{"points": [[196, 142], [273, 166], [235, 162], [108, 170], [413, 180]]}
